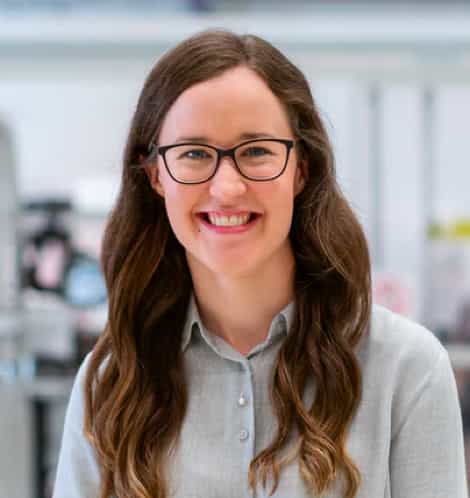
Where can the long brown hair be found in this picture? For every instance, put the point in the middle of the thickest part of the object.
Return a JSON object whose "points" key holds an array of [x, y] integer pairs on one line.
{"points": [[136, 395]]}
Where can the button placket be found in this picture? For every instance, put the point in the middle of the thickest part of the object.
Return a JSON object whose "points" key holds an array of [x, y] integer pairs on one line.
{"points": [[242, 400], [244, 404], [243, 435]]}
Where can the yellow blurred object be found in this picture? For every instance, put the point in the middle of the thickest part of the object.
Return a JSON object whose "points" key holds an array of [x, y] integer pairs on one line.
{"points": [[456, 230], [462, 229]]}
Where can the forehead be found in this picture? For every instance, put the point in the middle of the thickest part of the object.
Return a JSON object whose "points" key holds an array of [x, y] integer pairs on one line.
{"points": [[225, 108]]}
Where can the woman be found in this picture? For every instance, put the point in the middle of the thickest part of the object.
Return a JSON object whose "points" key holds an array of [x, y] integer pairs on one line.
{"points": [[242, 356]]}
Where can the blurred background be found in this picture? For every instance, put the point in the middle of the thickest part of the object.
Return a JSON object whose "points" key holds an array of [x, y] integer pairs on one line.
{"points": [[392, 81]]}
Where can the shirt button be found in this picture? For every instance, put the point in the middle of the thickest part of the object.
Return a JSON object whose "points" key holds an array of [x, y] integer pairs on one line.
{"points": [[243, 435], [242, 400]]}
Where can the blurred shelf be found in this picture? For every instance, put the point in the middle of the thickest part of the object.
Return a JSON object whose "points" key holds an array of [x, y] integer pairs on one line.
{"points": [[48, 388], [373, 27], [380, 42]]}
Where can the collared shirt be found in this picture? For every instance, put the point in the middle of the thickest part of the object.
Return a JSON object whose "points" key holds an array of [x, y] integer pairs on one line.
{"points": [[406, 437]]}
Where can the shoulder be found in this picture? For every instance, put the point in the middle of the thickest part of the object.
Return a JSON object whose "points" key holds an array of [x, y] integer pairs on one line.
{"points": [[77, 397], [76, 401], [396, 342], [400, 359], [78, 471], [404, 366]]}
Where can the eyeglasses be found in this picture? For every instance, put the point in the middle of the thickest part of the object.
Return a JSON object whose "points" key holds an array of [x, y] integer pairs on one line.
{"points": [[259, 160]]}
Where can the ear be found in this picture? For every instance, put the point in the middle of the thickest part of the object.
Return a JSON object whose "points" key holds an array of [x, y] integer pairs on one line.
{"points": [[301, 176], [152, 173]]}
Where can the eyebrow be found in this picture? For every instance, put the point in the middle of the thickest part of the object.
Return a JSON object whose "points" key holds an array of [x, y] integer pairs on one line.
{"points": [[242, 136]]}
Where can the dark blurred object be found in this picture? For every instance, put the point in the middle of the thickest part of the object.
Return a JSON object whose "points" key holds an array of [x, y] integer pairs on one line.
{"points": [[201, 5], [47, 250], [51, 263], [463, 322], [85, 341], [50, 366]]}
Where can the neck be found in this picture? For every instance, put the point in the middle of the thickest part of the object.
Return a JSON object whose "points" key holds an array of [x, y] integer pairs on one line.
{"points": [[245, 305]]}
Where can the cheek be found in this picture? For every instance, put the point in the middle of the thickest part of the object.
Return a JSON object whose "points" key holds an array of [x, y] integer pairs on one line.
{"points": [[281, 202], [179, 207], [284, 215], [173, 216]]}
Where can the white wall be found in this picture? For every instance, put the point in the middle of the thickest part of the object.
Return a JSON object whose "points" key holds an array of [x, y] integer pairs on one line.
{"points": [[68, 125]]}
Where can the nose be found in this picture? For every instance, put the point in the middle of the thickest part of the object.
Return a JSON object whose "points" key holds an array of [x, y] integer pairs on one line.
{"points": [[227, 182]]}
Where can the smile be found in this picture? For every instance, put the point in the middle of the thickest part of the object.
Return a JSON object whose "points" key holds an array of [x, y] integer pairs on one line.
{"points": [[228, 223]]}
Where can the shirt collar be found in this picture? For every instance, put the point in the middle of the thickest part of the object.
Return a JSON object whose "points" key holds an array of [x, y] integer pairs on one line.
{"points": [[192, 320], [281, 323]]}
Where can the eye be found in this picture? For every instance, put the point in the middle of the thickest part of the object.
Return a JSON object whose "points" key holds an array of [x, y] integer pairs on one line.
{"points": [[196, 154], [256, 151]]}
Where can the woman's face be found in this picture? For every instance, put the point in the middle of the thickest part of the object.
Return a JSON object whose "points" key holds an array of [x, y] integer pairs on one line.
{"points": [[223, 112]]}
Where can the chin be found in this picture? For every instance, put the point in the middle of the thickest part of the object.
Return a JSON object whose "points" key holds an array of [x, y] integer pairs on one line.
{"points": [[232, 267]]}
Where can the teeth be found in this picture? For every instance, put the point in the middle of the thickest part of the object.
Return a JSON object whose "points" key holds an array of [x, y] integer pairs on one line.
{"points": [[228, 221]]}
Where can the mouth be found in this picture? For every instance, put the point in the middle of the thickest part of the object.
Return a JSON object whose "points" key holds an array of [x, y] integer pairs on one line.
{"points": [[239, 220]]}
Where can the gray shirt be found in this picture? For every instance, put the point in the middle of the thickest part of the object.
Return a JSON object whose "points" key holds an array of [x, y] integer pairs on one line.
{"points": [[406, 437]]}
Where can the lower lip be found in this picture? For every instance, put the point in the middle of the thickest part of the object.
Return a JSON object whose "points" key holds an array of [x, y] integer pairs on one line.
{"points": [[229, 229]]}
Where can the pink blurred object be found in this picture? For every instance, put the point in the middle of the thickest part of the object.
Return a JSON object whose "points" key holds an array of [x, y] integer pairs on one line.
{"points": [[393, 292], [50, 264]]}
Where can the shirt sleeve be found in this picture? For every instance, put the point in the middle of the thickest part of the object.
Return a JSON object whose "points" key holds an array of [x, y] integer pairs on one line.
{"points": [[77, 471], [427, 450]]}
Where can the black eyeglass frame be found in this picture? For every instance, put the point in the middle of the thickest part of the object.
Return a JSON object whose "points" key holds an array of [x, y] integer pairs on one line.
{"points": [[162, 149]]}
